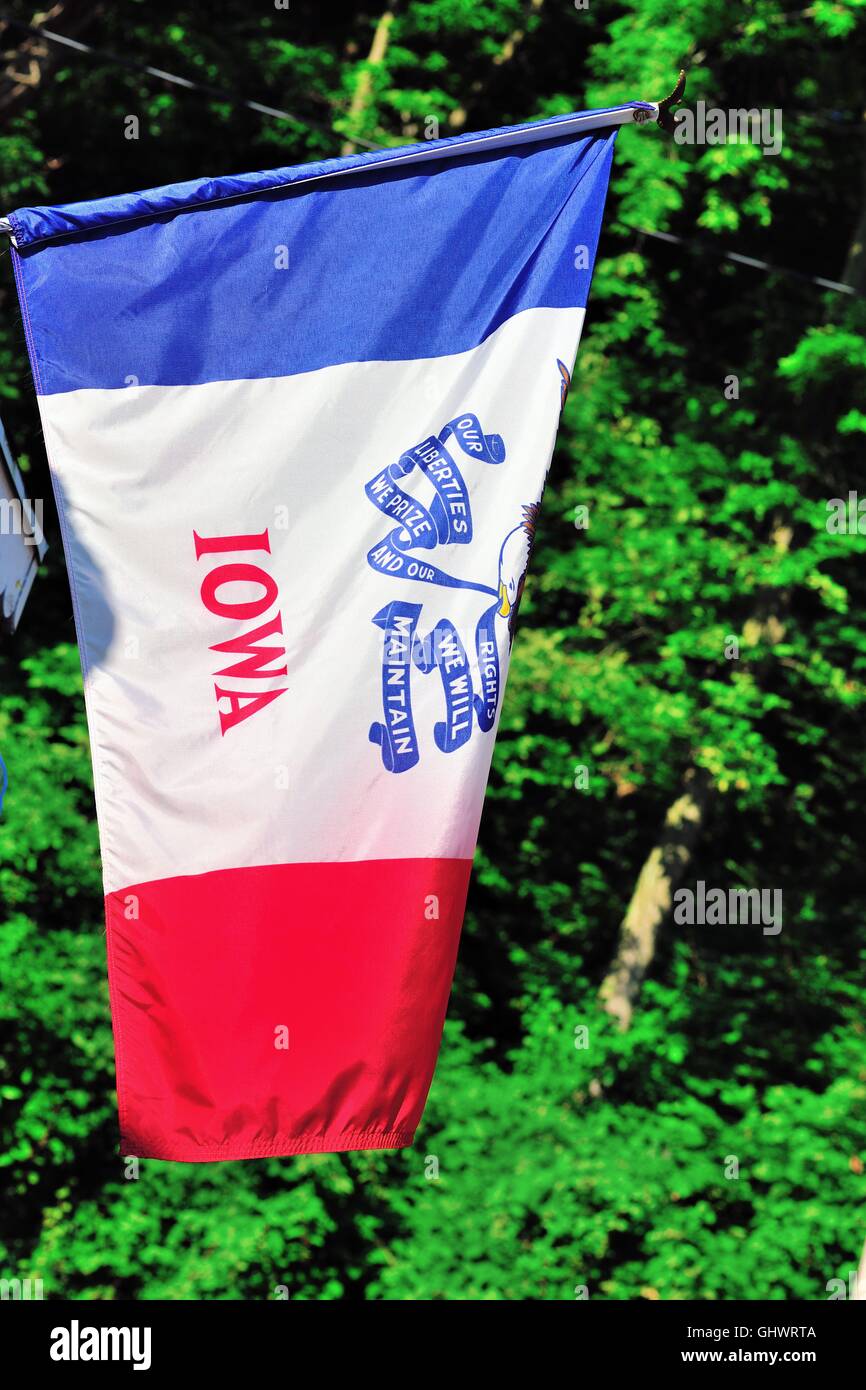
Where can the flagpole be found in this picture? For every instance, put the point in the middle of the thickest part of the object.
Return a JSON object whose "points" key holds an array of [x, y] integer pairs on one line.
{"points": [[558, 126]]}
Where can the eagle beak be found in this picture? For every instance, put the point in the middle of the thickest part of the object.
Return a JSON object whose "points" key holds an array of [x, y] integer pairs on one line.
{"points": [[504, 607]]}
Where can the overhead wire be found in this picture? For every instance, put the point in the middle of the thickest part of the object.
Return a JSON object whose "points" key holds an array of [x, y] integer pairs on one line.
{"points": [[265, 109]]}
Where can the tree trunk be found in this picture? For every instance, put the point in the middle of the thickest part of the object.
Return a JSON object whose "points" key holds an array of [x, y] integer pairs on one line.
{"points": [[651, 901], [457, 117], [671, 856], [364, 86], [28, 59], [854, 273]]}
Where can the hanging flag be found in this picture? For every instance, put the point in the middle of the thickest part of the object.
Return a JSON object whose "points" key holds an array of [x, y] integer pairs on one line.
{"points": [[298, 424]]}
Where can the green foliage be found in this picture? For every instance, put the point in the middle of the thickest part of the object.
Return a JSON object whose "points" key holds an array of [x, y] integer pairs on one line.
{"points": [[716, 1150]]}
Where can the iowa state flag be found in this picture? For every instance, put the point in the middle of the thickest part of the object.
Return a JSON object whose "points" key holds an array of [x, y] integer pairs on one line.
{"points": [[298, 424]]}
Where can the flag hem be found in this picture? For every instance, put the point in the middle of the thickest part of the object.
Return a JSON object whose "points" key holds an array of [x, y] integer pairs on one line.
{"points": [[31, 227], [345, 1142]]}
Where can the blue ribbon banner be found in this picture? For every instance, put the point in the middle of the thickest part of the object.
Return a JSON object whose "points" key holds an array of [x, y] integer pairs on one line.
{"points": [[443, 651], [446, 521], [396, 736]]}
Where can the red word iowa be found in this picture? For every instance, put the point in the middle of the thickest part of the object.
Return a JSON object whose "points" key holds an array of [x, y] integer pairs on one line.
{"points": [[254, 664]]}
